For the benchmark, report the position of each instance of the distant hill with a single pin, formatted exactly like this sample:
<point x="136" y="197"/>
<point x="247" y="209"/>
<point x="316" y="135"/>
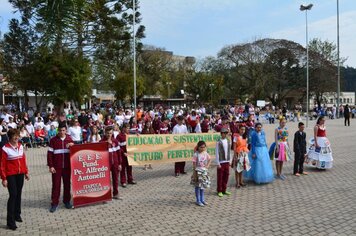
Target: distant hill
<point x="348" y="75"/>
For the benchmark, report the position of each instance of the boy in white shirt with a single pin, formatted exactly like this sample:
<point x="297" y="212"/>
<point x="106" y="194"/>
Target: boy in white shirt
<point x="223" y="157"/>
<point x="179" y="128"/>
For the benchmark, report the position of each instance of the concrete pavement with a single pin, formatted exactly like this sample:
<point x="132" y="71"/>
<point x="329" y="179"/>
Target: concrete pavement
<point x="322" y="203"/>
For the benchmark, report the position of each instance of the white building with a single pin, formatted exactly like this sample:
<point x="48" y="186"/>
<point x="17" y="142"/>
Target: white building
<point x="330" y="99"/>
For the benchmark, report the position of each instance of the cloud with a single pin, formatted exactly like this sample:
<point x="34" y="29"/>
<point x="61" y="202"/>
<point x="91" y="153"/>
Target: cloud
<point x="326" y="29"/>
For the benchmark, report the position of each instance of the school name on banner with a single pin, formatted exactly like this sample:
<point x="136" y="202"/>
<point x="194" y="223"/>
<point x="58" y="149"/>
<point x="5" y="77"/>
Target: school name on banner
<point x="90" y="173"/>
<point x="166" y="148"/>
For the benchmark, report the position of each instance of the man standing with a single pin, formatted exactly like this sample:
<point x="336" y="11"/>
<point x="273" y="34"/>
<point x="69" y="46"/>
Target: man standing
<point x="114" y="159"/>
<point x="347" y="115"/>
<point x="59" y="165"/>
<point x="179" y="128"/>
<point x="333" y="110"/>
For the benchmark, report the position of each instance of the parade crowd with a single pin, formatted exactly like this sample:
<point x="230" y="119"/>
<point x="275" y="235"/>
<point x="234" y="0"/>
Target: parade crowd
<point x="242" y="146"/>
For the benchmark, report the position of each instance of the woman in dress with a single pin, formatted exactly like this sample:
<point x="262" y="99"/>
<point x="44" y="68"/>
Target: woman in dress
<point x="320" y="154"/>
<point x="261" y="168"/>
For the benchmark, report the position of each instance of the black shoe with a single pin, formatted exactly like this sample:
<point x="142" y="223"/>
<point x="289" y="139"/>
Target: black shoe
<point x="68" y="205"/>
<point x="132" y="182"/>
<point x="53" y="208"/>
<point x="184" y="173"/>
<point x="12" y="227"/>
<point x="18" y="219"/>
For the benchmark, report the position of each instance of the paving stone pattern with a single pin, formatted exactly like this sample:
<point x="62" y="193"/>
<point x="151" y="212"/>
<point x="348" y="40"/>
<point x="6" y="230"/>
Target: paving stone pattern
<point x="322" y="203"/>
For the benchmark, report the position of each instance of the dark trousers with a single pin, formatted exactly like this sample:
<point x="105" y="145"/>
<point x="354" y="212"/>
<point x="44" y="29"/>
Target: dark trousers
<point x="347" y="120"/>
<point x="179" y="167"/>
<point x="115" y="179"/>
<point x="126" y="170"/>
<point x="56" y="185"/>
<point x="223" y="176"/>
<point x="14" y="186"/>
<point x="298" y="164"/>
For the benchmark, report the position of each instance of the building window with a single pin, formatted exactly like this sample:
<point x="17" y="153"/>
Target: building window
<point x="340" y="100"/>
<point x="331" y="100"/>
<point x="348" y="100"/>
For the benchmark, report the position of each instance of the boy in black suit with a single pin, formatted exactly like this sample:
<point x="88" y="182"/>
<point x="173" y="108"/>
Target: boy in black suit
<point x="300" y="150"/>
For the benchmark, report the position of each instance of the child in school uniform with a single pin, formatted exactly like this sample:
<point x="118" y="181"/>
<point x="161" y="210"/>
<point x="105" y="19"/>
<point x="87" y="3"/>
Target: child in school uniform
<point x="223" y="159"/>
<point x="300" y="150"/>
<point x="201" y="179"/>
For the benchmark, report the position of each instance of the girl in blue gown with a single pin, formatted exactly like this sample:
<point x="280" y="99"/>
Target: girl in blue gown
<point x="261" y="168"/>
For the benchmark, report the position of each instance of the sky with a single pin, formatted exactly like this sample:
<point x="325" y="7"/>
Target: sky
<point x="202" y="28"/>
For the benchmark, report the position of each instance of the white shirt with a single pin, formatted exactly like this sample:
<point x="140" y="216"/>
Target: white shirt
<point x="12" y="125"/>
<point x="93" y="139"/>
<point x="41" y="124"/>
<point x="180" y="129"/>
<point x="30" y="129"/>
<point x="55" y="123"/>
<point x="6" y="117"/>
<point x="94" y="116"/>
<point x="75" y="133"/>
<point x="225" y="145"/>
<point x="119" y="119"/>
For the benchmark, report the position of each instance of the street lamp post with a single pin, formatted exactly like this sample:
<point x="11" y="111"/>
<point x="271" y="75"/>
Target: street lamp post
<point x="169" y="92"/>
<point x="169" y="89"/>
<point x="211" y="93"/>
<point x="338" y="64"/>
<point x="134" y="52"/>
<point x="306" y="8"/>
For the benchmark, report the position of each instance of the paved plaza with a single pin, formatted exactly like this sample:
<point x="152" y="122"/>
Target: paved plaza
<point x="322" y="203"/>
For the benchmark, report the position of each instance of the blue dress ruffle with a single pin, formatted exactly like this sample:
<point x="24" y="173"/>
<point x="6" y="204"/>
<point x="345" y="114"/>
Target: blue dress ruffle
<point x="261" y="168"/>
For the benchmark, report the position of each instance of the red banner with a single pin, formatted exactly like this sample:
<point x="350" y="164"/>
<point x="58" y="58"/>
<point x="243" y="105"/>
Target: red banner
<point x="90" y="173"/>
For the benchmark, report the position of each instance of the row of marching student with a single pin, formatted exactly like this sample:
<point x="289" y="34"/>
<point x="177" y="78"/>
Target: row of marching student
<point x="251" y="160"/>
<point x="245" y="151"/>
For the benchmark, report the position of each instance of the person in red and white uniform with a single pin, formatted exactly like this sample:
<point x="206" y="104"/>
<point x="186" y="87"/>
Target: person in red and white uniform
<point x="58" y="162"/>
<point x="163" y="128"/>
<point x="126" y="169"/>
<point x="193" y="120"/>
<point x="114" y="159"/>
<point x="13" y="171"/>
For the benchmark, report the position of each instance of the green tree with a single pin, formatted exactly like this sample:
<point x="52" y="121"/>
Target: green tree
<point x="323" y="70"/>
<point x="284" y="75"/>
<point x="18" y="49"/>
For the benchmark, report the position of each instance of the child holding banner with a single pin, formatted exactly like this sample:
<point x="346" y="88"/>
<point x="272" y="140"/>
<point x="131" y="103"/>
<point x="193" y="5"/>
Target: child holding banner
<point x="58" y="161"/>
<point x="114" y="158"/>
<point x="126" y="170"/>
<point x="200" y="178"/>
